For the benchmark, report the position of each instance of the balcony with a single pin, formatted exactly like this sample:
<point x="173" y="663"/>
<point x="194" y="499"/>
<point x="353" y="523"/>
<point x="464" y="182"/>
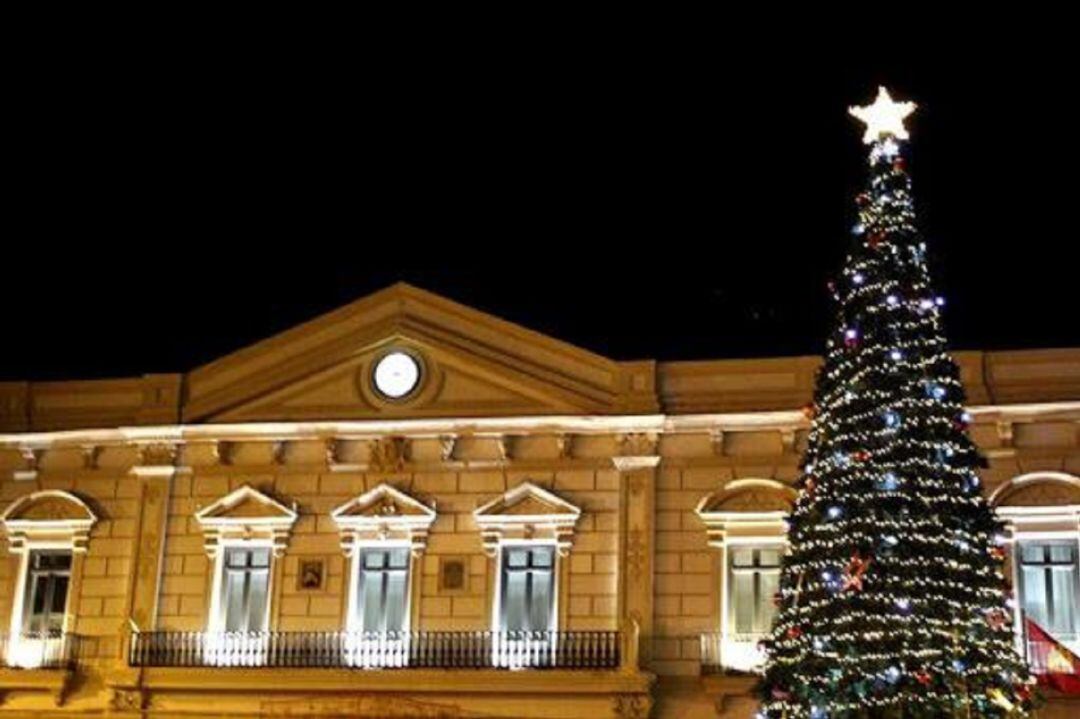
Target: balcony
<point x="731" y="653"/>
<point x="38" y="651"/>
<point x="595" y="650"/>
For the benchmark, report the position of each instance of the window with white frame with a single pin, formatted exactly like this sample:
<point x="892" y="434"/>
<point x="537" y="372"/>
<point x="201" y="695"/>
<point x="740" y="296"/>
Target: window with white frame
<point x="245" y="582"/>
<point x="754" y="575"/>
<point x="1050" y="585"/>
<point x="527" y="588"/>
<point x="382" y="589"/>
<point x="48" y="575"/>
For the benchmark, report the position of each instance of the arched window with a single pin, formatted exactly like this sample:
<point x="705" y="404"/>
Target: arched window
<point x="1042" y="510"/>
<point x="745" y="522"/>
<point x="49" y="530"/>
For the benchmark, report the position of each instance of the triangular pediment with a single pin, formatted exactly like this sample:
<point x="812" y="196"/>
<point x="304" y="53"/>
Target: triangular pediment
<point x="470" y="364"/>
<point x="383" y="503"/>
<point x="525" y="502"/>
<point x="245" y="505"/>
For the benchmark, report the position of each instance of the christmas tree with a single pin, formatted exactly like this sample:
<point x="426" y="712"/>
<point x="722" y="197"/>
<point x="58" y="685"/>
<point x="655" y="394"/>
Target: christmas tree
<point x="893" y="600"/>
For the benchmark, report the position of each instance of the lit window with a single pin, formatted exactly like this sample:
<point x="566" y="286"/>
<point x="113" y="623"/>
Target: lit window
<point x="528" y="588"/>
<point x="1049" y="582"/>
<point x="755" y="578"/>
<point x="383" y="589"/>
<point x="47" y="580"/>
<point x="244" y="589"/>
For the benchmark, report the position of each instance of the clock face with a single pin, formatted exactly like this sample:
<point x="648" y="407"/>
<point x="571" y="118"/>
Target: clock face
<point x="396" y="375"/>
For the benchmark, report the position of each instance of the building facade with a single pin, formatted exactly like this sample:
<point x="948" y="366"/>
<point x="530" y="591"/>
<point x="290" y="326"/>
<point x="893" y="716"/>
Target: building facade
<point x="409" y="508"/>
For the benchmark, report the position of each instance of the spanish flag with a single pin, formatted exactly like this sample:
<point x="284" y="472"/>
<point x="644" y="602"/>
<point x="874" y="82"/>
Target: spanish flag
<point x="1051" y="662"/>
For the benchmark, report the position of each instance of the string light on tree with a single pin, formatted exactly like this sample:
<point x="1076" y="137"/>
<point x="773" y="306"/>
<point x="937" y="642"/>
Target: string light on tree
<point x="892" y="598"/>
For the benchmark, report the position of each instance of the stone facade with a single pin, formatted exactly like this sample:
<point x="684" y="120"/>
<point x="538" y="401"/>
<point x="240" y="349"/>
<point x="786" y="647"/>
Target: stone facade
<point x="640" y="475"/>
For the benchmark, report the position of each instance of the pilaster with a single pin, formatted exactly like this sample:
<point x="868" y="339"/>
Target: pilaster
<point x="637" y="542"/>
<point x="155" y="477"/>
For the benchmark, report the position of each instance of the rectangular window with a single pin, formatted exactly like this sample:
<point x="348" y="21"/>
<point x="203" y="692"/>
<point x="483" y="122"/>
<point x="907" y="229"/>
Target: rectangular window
<point x="47" y="580"/>
<point x="244" y="592"/>
<point x="755" y="578"/>
<point x="528" y="588"/>
<point x="383" y="589"/>
<point x="1049" y="582"/>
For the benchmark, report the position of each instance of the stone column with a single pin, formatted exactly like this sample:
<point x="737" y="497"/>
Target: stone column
<point x="637" y="539"/>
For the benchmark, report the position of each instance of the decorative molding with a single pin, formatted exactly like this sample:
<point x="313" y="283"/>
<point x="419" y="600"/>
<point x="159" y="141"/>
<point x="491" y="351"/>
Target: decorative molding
<point x="224" y="452"/>
<point x="388" y="454"/>
<point x="1005" y="433"/>
<point x="246" y="513"/>
<point x="447" y="445"/>
<point x="90" y="453"/>
<point x="631" y="464"/>
<point x="1038" y="489"/>
<point x="278" y="452"/>
<point x="577" y="424"/>
<point x="158" y="454"/>
<point x="381" y="514"/>
<point x="50" y="517"/>
<point x="527" y="512"/>
<point x="754" y="507"/>
<point x="331" y="448"/>
<point x="565" y="445"/>
<point x="637" y="444"/>
<point x="716" y="437"/>
<point x="788" y="438"/>
<point x="632" y="706"/>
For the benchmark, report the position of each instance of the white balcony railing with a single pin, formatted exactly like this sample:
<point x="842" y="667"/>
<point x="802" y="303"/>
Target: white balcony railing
<point x="732" y="652"/>
<point x="389" y="650"/>
<point x="38" y="651"/>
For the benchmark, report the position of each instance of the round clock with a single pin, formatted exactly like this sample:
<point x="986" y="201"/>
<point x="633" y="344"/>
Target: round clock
<point x="396" y="374"/>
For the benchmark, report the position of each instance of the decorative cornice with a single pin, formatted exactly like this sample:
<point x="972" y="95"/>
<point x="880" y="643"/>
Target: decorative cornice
<point x="436" y="427"/>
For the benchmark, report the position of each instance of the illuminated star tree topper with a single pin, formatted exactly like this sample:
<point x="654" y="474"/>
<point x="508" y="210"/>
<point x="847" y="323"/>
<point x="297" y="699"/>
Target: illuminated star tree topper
<point x="884" y="117"/>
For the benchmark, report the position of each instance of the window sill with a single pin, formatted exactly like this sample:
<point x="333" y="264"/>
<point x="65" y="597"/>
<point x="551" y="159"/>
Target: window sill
<point x="51" y="681"/>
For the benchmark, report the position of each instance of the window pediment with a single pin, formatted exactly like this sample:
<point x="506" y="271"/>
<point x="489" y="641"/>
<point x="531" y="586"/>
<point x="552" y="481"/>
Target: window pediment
<point x="246" y="513"/>
<point x="753" y="507"/>
<point x="383" y="513"/>
<point x="527" y="512"/>
<point x="50" y="516"/>
<point x="1041" y="489"/>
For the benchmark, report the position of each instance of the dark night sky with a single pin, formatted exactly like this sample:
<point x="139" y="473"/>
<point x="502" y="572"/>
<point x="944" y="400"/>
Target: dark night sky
<point x="166" y="212"/>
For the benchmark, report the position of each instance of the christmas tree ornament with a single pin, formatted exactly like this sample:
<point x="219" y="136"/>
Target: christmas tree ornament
<point x="853" y="576"/>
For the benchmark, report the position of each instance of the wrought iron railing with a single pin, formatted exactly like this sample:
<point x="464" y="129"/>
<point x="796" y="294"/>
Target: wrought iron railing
<point x="52" y="650"/>
<point x="724" y="653"/>
<point x="390" y="650"/>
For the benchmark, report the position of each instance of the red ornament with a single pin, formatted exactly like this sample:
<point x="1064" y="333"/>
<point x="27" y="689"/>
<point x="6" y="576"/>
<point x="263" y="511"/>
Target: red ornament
<point x="923" y="678"/>
<point x="862" y="199"/>
<point x="997" y="553"/>
<point x="1023" y="692"/>
<point x="794" y="633"/>
<point x="997" y="619"/>
<point x="853" y="575"/>
<point x="861" y="456"/>
<point x="899" y="164"/>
